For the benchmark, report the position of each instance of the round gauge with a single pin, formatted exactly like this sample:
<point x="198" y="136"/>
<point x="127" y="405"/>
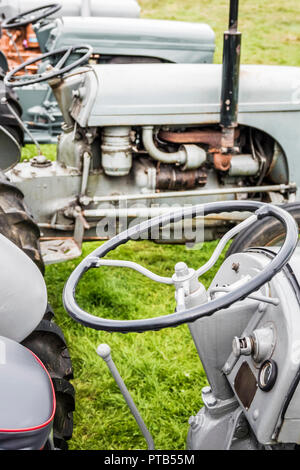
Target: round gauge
<point x="267" y="375"/>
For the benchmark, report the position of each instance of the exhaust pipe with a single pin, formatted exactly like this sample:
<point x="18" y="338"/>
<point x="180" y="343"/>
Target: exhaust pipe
<point x="230" y="79"/>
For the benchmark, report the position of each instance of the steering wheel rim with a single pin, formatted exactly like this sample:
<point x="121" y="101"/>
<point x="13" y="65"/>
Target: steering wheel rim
<point x="56" y="71"/>
<point x="13" y="23"/>
<point x="203" y="310"/>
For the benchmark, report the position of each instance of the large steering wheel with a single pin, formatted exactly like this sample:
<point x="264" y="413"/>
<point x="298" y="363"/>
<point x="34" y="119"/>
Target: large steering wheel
<point x="30" y="16"/>
<point x="60" y="56"/>
<point x="207" y="309"/>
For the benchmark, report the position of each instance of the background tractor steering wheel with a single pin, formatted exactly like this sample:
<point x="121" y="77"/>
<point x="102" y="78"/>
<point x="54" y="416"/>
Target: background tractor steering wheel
<point x="60" y="57"/>
<point x="30" y="16"/>
<point x="207" y="309"/>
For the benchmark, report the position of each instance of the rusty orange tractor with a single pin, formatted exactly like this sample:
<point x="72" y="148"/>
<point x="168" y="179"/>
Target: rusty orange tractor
<point x="18" y="41"/>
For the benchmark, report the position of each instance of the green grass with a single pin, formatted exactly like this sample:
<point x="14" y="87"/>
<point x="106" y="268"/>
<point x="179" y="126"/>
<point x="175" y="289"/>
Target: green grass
<point x="30" y="151"/>
<point x="161" y="369"/>
<point x="271" y="29"/>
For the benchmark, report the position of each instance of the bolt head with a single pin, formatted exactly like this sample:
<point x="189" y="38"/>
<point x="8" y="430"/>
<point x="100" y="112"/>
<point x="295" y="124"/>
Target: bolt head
<point x="211" y="401"/>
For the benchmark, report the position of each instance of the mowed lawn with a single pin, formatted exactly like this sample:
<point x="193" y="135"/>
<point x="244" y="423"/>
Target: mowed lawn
<point x="161" y="369"/>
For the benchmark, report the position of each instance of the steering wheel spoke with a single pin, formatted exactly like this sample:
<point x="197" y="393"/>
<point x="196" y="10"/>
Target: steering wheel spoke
<point x="136" y="267"/>
<point x="63" y="60"/>
<point x="223" y="242"/>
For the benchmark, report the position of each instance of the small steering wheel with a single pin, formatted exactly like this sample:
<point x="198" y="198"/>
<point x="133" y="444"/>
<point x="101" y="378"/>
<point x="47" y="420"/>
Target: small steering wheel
<point x="30" y="16"/>
<point x="183" y="316"/>
<point x="57" y="70"/>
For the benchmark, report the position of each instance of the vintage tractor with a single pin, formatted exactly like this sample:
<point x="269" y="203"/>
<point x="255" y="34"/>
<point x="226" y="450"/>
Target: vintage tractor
<point x="114" y="41"/>
<point x="25" y="316"/>
<point x="245" y="326"/>
<point x="135" y="139"/>
<point x="139" y="138"/>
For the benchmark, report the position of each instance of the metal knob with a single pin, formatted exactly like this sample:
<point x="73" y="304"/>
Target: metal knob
<point x="242" y="346"/>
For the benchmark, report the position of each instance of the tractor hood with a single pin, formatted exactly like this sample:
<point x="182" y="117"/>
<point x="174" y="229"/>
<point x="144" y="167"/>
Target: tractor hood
<point x="126" y="8"/>
<point x="169" y="41"/>
<point x="172" y="94"/>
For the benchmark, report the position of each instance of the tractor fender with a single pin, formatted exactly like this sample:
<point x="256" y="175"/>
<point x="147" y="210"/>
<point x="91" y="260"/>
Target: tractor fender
<point x="22" y="291"/>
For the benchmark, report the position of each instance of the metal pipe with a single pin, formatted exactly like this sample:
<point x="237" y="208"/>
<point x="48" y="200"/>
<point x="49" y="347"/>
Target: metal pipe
<point x="85" y="172"/>
<point x="130" y="213"/>
<point x="104" y="352"/>
<point x="191" y="156"/>
<point x="243" y="165"/>
<point x="85" y="8"/>
<point x="63" y="227"/>
<point x="138" y="212"/>
<point x="200" y="192"/>
<point x="260" y="298"/>
<point x="233" y="15"/>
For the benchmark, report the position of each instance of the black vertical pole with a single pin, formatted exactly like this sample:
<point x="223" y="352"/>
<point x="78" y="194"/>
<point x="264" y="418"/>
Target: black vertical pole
<point x="233" y="15"/>
<point x="230" y="78"/>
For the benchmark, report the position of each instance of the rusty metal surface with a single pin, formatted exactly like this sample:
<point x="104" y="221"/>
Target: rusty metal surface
<point x="222" y="161"/>
<point x="195" y="136"/>
<point x="20" y="45"/>
<point x="171" y="178"/>
<point x="245" y="385"/>
<point x="228" y="138"/>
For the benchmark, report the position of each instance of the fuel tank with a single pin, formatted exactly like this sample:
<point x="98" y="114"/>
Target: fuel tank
<point x="23" y="292"/>
<point x="181" y="94"/>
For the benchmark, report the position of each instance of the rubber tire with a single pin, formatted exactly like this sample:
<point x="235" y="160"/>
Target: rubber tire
<point x="48" y="343"/>
<point x="47" y="340"/>
<point x="264" y="232"/>
<point x="17" y="224"/>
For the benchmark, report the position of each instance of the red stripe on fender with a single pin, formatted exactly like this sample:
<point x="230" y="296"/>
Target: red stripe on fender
<point x="35" y="428"/>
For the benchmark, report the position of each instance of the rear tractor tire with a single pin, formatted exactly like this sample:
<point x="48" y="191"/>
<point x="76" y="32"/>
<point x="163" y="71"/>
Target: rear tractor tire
<point x="47" y="340"/>
<point x="263" y="233"/>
